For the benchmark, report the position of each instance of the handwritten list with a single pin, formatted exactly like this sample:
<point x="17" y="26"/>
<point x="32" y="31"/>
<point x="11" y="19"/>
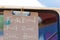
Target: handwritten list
<point x="21" y="27"/>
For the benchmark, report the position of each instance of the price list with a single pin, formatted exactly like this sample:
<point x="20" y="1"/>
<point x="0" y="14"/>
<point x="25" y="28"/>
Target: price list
<point x="20" y="27"/>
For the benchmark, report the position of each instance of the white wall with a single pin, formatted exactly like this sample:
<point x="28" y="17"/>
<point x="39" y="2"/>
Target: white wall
<point x="33" y="3"/>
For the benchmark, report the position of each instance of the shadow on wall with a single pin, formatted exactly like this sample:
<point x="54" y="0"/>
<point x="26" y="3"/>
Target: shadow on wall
<point x="51" y="3"/>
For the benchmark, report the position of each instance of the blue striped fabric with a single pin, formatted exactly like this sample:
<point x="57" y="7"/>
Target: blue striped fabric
<point x="51" y="29"/>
